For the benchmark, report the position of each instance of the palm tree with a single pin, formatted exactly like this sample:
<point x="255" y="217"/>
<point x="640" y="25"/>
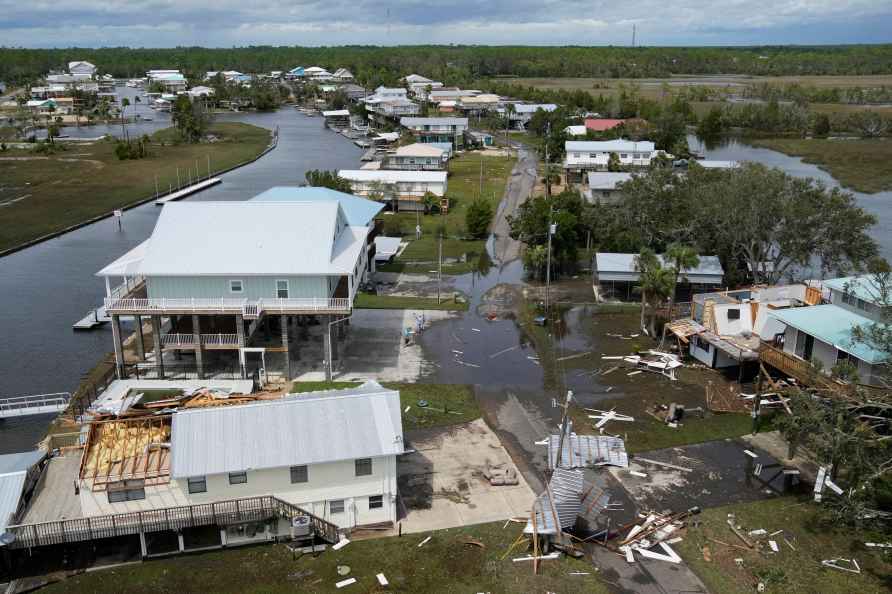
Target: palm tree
<point x="655" y="284"/>
<point x="679" y="257"/>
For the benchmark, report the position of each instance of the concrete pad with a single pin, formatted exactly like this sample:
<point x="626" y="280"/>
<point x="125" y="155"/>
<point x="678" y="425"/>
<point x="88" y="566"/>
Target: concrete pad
<point x="54" y="497"/>
<point x="442" y="483"/>
<point x="372" y="349"/>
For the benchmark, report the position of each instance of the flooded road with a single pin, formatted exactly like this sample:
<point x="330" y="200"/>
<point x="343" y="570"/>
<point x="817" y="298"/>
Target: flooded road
<point x="45" y="288"/>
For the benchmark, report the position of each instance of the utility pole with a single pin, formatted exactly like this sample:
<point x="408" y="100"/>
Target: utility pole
<point x="178" y="178"/>
<point x="557" y="463"/>
<point x="209" y="166"/>
<point x="156" y="186"/>
<point x="480" y="189"/>
<point x="551" y="229"/>
<point x="439" y="265"/>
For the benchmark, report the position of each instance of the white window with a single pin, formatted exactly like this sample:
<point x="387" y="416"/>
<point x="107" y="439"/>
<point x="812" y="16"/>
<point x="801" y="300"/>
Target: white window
<point x="363" y="466"/>
<point x="235" y="286"/>
<point x="282" y="289"/>
<point x="198" y="484"/>
<point x="336" y="506"/>
<point x="624" y="156"/>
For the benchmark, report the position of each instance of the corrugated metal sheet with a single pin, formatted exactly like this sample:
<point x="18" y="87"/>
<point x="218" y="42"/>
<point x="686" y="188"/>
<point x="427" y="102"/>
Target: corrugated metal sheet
<point x="11" y="485"/>
<point x="580" y="451"/>
<point x="557" y="508"/>
<point x="20" y="461"/>
<point x="364" y="422"/>
<point x="244" y="238"/>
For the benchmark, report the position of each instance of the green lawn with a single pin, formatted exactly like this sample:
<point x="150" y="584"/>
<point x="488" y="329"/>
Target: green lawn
<point x="788" y="571"/>
<point x="444" y="564"/>
<point x="463" y="188"/>
<point x="368" y="301"/>
<point x="862" y="165"/>
<point x="83" y="182"/>
<point x="447" y="404"/>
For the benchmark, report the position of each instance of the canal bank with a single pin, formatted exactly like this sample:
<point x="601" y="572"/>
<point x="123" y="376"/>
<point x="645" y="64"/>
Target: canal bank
<point x="48" y="286"/>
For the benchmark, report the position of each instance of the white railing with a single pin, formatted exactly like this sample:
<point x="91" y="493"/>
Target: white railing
<point x="219" y="339"/>
<point x="223" y="305"/>
<point x="128" y="285"/>
<point x="188" y="340"/>
<point x="15" y="406"/>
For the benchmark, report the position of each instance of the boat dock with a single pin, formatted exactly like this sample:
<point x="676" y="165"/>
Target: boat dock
<point x="94" y="318"/>
<point x="174" y="196"/>
<point x="39" y="404"/>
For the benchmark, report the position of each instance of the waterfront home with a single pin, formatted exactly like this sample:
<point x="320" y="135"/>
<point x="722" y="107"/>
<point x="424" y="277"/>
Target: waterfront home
<point x="727" y="328"/>
<point x="615" y="276"/>
<point x="171" y="81"/>
<point x="522" y="113"/>
<point x="419" y="86"/>
<point x="342" y="75"/>
<point x="583" y="156"/>
<point x="331" y="453"/>
<point x="263" y="265"/>
<point x="406" y="188"/>
<point x="41" y="106"/>
<point x="418" y="157"/>
<point x="823" y="334"/>
<point x="428" y="130"/>
<point x="82" y="70"/>
<point x="317" y="73"/>
<point x="201" y="91"/>
<point x="603" y="186"/>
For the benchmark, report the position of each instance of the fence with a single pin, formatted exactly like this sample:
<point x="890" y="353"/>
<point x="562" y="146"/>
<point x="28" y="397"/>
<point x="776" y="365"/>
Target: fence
<point x="92" y="385"/>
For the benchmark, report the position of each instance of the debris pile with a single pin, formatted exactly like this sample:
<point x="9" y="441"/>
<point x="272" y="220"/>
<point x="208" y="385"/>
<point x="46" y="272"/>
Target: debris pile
<point x="653" y="361"/>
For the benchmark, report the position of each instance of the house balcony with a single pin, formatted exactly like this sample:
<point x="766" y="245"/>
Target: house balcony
<point x="249" y="309"/>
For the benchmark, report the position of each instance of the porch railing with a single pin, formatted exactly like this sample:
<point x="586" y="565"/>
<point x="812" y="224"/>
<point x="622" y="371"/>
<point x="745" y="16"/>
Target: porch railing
<point x="188" y="340"/>
<point x="126" y="287"/>
<point x="224" y="305"/>
<point x="219" y="513"/>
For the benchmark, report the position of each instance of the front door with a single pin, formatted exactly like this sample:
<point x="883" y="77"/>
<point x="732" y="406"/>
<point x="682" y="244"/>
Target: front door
<point x="805" y="344"/>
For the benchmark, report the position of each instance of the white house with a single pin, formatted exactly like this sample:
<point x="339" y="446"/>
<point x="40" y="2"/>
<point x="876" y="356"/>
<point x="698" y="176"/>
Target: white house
<point x="317" y="73"/>
<point x="420" y="86"/>
<point x="523" y="113"/>
<point x="408" y="187"/>
<point x="615" y="275"/>
<point x="171" y="80"/>
<point x="342" y="75"/>
<point x="583" y="156"/>
<point x="429" y="130"/>
<point x="200" y="91"/>
<point x="603" y="186"/>
<point x="418" y="156"/>
<point x="82" y="69"/>
<point x="331" y="453"/>
<point x="823" y="333"/>
<point x="257" y="264"/>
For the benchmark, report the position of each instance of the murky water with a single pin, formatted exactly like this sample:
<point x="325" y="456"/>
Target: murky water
<point x="879" y="204"/>
<point x="44" y="289"/>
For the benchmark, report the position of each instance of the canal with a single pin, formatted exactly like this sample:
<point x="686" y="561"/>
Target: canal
<point x="45" y="288"/>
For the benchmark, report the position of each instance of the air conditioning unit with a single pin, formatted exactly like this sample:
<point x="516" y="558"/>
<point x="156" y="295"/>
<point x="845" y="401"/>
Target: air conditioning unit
<point x="300" y="526"/>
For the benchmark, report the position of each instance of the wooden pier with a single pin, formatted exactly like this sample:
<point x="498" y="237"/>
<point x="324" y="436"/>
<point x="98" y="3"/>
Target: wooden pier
<point x="95" y="317"/>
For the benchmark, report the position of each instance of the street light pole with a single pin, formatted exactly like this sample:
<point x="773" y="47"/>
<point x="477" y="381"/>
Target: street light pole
<point x="439" y="265"/>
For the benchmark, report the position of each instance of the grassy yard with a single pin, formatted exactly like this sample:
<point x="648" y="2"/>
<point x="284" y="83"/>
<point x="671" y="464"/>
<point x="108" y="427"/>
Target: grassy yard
<point x="446" y="563"/>
<point x="463" y="189"/>
<point x="367" y="301"/>
<point x="44" y="194"/>
<point x="862" y="165"/>
<point x="789" y="571"/>
<point x="447" y="404"/>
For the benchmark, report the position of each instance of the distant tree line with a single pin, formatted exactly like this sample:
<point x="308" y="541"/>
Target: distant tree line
<point x="463" y="64"/>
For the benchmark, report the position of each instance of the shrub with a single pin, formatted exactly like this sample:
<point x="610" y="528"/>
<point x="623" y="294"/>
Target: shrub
<point x="478" y="217"/>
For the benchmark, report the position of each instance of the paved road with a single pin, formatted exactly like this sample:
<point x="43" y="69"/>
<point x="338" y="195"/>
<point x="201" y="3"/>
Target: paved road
<point x="519" y="188"/>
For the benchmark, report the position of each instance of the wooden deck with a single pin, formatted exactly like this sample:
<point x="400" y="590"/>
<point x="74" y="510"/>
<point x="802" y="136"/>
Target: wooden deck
<point x="218" y="513"/>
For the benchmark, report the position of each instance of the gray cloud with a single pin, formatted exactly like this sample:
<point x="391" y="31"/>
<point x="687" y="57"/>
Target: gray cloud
<point x="161" y="23"/>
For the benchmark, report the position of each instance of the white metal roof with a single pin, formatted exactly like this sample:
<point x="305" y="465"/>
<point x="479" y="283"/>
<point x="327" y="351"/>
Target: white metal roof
<point x="299" y="429"/>
<point x="621" y="267"/>
<point x="246" y="238"/>
<point x="128" y="264"/>
<point x="336" y="113"/>
<point x="11" y="485"/>
<point x="576" y="130"/>
<point x="607" y="180"/>
<point x="596" y="146"/>
<point x="419" y="149"/>
<point x="533" y="107"/>
<point x="393" y="176"/>
<point x="386" y="247"/>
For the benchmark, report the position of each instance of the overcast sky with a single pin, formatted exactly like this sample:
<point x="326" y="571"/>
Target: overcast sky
<point x="224" y="23"/>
